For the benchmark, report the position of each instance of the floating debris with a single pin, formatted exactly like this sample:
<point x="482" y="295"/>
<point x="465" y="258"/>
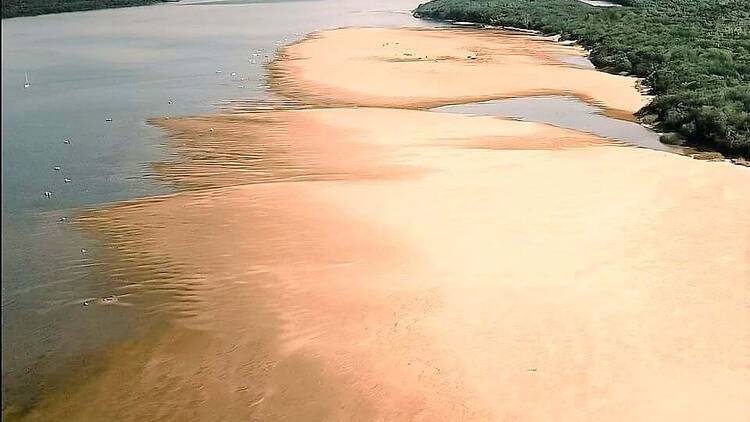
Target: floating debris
<point x="170" y="101"/>
<point x="66" y="142"/>
<point x="85" y="303"/>
<point x="708" y="156"/>
<point x="62" y="219"/>
<point x="218" y="71"/>
<point x="531" y="370"/>
<point x="48" y="194"/>
<point x="109" y="119"/>
<point x="233" y="74"/>
<point x="109" y="300"/>
<point x="83" y="251"/>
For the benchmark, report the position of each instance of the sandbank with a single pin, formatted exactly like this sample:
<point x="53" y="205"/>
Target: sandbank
<point x="367" y="263"/>
<point x="421" y="68"/>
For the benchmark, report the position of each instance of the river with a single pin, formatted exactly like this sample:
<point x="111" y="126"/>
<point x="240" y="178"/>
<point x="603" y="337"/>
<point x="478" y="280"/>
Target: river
<point x="123" y="65"/>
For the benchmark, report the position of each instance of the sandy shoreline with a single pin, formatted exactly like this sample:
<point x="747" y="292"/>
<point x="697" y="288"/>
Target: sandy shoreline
<point x="423" y="68"/>
<point x="376" y="263"/>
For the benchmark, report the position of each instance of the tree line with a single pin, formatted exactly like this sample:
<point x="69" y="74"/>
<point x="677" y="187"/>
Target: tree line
<point x="16" y="8"/>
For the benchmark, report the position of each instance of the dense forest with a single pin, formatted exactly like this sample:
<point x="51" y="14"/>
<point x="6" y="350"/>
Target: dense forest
<point x="693" y="54"/>
<point x="15" y="8"/>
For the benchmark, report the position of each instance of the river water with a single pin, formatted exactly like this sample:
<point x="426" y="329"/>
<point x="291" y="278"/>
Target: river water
<point x="95" y="77"/>
<point x="566" y="112"/>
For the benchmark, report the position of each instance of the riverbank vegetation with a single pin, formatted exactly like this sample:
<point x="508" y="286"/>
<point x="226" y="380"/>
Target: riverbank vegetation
<point x="693" y="54"/>
<point x="16" y="8"/>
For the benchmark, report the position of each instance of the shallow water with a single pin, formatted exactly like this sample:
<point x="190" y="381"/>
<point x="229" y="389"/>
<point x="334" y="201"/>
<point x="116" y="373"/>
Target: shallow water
<point x="126" y="65"/>
<point x="600" y="3"/>
<point x="577" y="61"/>
<point x="567" y="112"/>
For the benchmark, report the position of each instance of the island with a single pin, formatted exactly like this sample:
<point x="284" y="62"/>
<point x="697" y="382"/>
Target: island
<point x="17" y="8"/>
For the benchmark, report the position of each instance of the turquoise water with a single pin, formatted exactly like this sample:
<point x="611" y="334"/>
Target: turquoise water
<point x="126" y="65"/>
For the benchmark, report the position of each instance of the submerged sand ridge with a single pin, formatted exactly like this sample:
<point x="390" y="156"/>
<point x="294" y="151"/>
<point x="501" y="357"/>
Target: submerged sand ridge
<point x="337" y="144"/>
<point x="373" y="263"/>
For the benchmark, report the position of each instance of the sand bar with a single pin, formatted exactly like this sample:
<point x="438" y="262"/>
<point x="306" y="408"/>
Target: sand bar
<point x="428" y="67"/>
<point x="390" y="264"/>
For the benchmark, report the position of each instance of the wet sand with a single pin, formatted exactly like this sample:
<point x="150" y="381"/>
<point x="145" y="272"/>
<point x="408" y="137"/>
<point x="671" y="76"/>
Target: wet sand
<point x="367" y="263"/>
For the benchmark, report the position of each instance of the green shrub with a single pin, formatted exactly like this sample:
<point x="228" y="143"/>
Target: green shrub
<point x="671" y="138"/>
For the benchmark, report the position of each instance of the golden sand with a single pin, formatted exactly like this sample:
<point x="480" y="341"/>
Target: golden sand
<point x="426" y="68"/>
<point x="387" y="264"/>
<point x="333" y="144"/>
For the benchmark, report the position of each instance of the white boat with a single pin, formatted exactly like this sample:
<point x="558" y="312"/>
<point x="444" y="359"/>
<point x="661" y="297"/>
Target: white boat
<point x="27" y="84"/>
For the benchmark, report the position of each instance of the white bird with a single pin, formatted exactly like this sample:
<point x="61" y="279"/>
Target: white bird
<point x="233" y="74"/>
<point x="67" y="142"/>
<point x="57" y="168"/>
<point x="62" y="219"/>
<point x="109" y="119"/>
<point x="66" y="180"/>
<point x="48" y="194"/>
<point x="83" y="251"/>
<point x="218" y="71"/>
